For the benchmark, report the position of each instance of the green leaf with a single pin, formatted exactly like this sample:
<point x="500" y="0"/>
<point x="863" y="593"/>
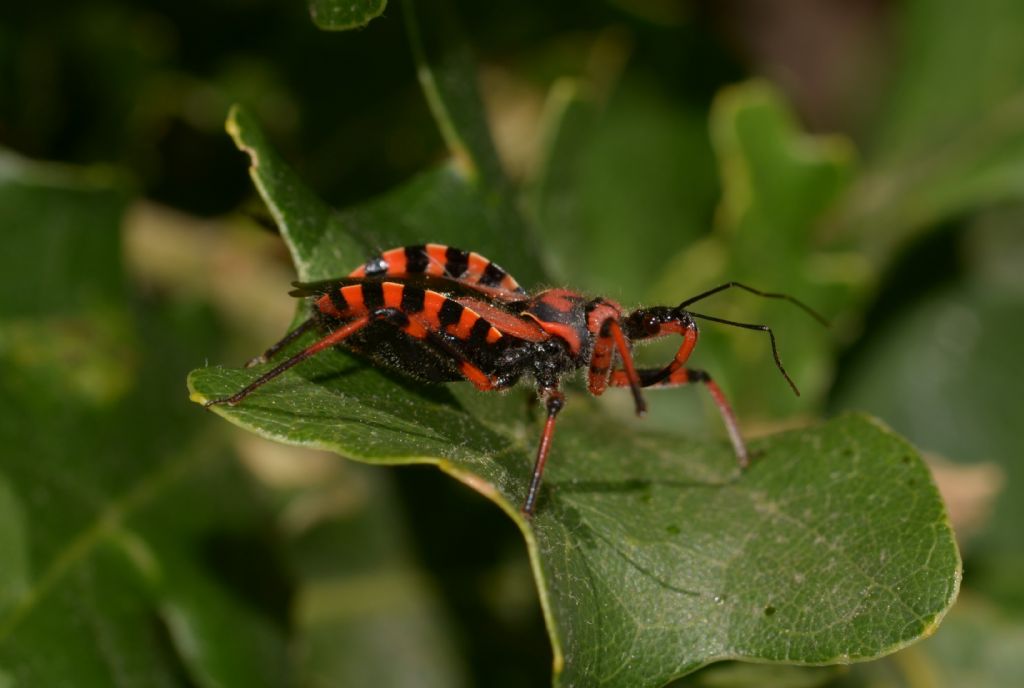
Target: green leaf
<point x="777" y="184"/>
<point x="342" y="15"/>
<point x="950" y="137"/>
<point x="15" y="572"/>
<point x="466" y="202"/>
<point x="979" y="646"/>
<point x="309" y="220"/>
<point x="115" y="504"/>
<point x="361" y="598"/>
<point x="65" y="255"/>
<point x="448" y="76"/>
<point x="609" y="232"/>
<point x="59" y="306"/>
<point x="652" y="554"/>
<point x="437" y="206"/>
<point x="945" y="371"/>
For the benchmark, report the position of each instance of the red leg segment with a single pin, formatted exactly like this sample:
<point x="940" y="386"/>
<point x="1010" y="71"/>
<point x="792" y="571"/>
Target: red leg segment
<point x="554" y="403"/>
<point x="336" y="337"/>
<point x="285" y="341"/>
<point x="603" y="323"/>
<point x="689" y="333"/>
<point x="410" y="326"/>
<point x="683" y="376"/>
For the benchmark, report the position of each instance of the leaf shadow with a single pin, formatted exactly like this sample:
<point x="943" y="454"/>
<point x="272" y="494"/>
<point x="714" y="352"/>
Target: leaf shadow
<point x="638" y="485"/>
<point x="426" y="392"/>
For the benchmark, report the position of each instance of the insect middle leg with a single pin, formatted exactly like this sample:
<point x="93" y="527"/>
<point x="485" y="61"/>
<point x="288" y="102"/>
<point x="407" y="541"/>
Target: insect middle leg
<point x="554" y="401"/>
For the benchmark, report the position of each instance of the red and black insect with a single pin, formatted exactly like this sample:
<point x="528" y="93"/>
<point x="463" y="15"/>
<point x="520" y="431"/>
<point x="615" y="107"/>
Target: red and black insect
<point x="442" y="314"/>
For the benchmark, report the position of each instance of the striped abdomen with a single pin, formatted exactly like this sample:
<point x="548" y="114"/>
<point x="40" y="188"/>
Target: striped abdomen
<point x="425" y="310"/>
<point x="440" y="261"/>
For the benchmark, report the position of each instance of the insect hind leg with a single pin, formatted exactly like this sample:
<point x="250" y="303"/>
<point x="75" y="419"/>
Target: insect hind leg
<point x="339" y="335"/>
<point x="336" y="337"/>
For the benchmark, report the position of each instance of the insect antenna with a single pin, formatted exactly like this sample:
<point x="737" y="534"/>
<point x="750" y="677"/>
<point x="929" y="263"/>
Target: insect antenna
<point x="757" y="292"/>
<point x="752" y="326"/>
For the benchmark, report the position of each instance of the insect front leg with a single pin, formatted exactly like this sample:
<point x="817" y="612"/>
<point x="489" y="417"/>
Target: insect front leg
<point x="655" y="377"/>
<point x="604" y="326"/>
<point x="651" y="323"/>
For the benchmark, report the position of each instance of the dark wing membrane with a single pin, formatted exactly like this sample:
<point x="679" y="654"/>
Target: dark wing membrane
<point x="444" y="285"/>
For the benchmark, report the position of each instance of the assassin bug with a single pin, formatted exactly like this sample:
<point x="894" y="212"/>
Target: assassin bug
<point x="442" y="314"/>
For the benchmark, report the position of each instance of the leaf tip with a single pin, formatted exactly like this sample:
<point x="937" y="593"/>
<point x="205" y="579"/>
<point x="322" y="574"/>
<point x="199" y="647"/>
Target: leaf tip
<point x="236" y="128"/>
<point x="194" y="395"/>
<point x="462" y="164"/>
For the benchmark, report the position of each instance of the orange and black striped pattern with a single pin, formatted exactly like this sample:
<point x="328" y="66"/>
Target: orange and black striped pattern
<point x="425" y="310"/>
<point x="438" y="260"/>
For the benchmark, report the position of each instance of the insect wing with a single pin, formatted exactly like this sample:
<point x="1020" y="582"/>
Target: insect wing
<point x="443" y="285"/>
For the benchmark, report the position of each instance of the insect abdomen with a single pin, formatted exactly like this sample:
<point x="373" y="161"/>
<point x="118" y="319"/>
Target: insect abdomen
<point x="439" y="260"/>
<point x="425" y="310"/>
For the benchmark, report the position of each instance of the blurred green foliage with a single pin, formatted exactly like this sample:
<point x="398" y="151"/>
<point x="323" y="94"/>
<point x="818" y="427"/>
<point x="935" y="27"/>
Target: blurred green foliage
<point x="875" y="169"/>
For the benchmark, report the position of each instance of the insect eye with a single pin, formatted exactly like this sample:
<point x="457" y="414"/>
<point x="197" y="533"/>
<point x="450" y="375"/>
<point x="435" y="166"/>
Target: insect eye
<point x="652" y="324"/>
